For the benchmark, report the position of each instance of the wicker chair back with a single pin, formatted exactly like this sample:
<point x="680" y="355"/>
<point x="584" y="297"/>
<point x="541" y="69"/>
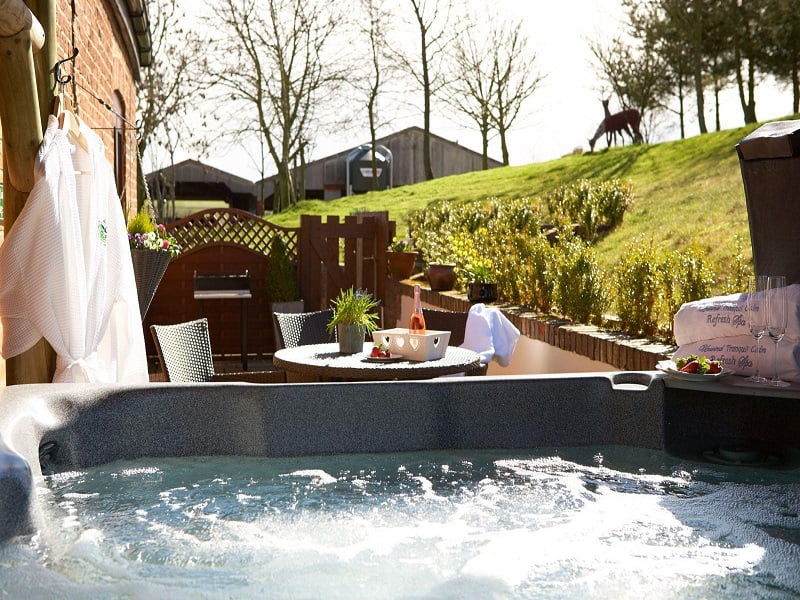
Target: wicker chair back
<point x="184" y="351"/>
<point x="300" y="329"/>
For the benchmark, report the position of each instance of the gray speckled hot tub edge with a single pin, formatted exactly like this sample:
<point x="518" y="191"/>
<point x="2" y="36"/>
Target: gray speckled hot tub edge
<point x="92" y="425"/>
<point x="77" y="426"/>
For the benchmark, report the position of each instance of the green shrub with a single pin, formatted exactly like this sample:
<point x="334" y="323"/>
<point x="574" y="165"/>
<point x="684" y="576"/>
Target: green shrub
<point x="651" y="285"/>
<point x="685" y="277"/>
<point x="280" y="280"/>
<point x="590" y="205"/>
<point x="636" y="283"/>
<point x="735" y="278"/>
<point x="141" y="222"/>
<point x="531" y="267"/>
<point x="580" y="293"/>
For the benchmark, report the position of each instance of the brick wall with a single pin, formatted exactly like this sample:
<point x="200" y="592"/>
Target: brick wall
<point x="103" y="68"/>
<point x="621" y="351"/>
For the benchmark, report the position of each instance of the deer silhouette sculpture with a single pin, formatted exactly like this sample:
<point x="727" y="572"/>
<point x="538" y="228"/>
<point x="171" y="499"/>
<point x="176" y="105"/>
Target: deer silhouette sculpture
<point x="626" y="121"/>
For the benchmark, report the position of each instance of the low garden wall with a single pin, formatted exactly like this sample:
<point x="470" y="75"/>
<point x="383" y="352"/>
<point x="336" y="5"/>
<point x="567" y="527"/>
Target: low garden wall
<point x="601" y="349"/>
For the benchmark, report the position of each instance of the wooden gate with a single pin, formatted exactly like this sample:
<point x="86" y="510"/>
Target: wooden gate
<point x="335" y="256"/>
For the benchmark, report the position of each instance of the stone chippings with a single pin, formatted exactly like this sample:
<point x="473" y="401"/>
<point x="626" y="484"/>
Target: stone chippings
<point x="93" y="425"/>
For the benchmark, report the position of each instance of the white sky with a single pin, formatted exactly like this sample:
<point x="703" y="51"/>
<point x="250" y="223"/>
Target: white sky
<point x="561" y="114"/>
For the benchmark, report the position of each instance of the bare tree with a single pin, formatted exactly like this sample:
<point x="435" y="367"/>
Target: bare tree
<point x="272" y="66"/>
<point x="169" y="90"/>
<point x="635" y="73"/>
<point x="373" y="23"/>
<point x="435" y="31"/>
<point x="648" y="25"/>
<point x="472" y="89"/>
<point x="515" y="78"/>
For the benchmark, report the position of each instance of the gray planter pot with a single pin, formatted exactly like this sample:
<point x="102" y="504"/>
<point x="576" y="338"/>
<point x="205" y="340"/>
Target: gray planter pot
<point x="351" y="338"/>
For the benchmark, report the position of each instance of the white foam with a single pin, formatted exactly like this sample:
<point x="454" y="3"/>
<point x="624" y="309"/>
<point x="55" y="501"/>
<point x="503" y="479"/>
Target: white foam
<point x="316" y="476"/>
<point x="549" y="525"/>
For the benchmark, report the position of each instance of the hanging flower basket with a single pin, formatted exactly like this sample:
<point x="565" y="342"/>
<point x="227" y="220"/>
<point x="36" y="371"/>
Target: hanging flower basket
<point x="148" y="269"/>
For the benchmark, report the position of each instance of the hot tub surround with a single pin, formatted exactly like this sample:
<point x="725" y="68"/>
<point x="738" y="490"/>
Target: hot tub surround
<point x="55" y="428"/>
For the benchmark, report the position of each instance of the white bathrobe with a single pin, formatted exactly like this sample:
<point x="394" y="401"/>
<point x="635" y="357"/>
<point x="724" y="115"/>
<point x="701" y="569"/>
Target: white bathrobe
<point x="65" y="268"/>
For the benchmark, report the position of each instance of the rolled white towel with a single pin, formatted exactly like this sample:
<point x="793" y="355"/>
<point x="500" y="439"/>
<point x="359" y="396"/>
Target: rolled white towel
<point x="725" y="316"/>
<point x="738" y="353"/>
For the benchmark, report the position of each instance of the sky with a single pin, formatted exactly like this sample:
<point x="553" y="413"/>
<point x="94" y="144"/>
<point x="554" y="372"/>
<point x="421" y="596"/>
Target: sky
<point x="561" y="114"/>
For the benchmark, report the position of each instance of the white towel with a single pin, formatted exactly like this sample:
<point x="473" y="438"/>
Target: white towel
<point x="738" y="353"/>
<point x="489" y="333"/>
<point x="725" y="316"/>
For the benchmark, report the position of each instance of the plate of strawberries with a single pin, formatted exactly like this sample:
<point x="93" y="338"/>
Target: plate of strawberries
<point x="694" y="368"/>
<point x="380" y="353"/>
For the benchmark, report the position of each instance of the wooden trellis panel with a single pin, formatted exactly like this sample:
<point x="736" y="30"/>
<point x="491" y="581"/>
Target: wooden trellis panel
<point x="233" y="226"/>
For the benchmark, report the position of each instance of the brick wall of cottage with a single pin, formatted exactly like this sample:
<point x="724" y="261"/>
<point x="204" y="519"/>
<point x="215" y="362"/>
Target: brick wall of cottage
<point x="103" y="68"/>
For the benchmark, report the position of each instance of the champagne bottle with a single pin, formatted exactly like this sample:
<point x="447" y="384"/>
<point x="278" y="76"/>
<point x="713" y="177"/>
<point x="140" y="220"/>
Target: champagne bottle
<point x="417" y="322"/>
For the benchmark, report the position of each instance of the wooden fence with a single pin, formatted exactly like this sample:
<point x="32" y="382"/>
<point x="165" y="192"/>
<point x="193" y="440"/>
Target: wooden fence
<point x="330" y="256"/>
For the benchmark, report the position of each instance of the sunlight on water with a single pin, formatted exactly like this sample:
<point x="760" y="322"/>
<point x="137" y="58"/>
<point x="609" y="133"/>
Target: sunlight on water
<point x="581" y="523"/>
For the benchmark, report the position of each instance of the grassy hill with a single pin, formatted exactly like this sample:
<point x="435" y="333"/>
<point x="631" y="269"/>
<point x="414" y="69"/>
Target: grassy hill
<point x="686" y="192"/>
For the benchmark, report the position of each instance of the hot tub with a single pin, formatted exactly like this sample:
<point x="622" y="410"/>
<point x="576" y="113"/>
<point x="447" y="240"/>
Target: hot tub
<point x="63" y="429"/>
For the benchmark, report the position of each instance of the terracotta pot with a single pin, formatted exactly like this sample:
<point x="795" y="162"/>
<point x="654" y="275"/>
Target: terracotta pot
<point x="401" y="264"/>
<point x="481" y="292"/>
<point x="441" y="277"/>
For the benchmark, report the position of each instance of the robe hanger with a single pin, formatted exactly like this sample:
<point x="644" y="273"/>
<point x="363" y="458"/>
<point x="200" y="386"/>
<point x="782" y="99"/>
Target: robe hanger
<point x="67" y="119"/>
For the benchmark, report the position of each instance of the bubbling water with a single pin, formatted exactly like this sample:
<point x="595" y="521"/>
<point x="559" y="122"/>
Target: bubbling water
<point x="545" y="524"/>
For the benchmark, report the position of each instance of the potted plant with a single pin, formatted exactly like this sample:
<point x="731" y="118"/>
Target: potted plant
<point x="353" y="318"/>
<point x="481" y="282"/>
<point x="400" y="259"/>
<point x="151" y="250"/>
<point x="280" y="279"/>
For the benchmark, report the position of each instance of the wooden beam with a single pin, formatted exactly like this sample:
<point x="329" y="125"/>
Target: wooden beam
<point x="20" y="35"/>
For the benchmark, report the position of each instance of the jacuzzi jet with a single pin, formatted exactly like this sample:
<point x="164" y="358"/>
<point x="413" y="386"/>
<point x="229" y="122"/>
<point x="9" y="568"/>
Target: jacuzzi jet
<point x="745" y="454"/>
<point x="47" y="455"/>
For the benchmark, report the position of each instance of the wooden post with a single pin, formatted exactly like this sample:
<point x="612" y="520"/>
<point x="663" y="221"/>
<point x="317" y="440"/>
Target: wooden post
<point x="20" y="35"/>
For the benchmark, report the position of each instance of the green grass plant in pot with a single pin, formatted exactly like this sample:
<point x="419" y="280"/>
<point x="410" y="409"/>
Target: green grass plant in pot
<point x="354" y="316"/>
<point x="482" y="283"/>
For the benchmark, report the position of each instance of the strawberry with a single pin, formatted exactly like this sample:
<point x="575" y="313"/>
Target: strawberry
<point x="376" y="352"/>
<point x="690" y="367"/>
<point x="713" y="367"/>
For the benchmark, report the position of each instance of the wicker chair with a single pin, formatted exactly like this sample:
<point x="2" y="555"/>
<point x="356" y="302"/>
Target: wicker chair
<point x="456" y="324"/>
<point x="300" y="329"/>
<point x="184" y="351"/>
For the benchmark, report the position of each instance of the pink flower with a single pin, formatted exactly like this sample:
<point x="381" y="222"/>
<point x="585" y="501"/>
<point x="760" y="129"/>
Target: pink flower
<point x="165" y="244"/>
<point x="161" y="227"/>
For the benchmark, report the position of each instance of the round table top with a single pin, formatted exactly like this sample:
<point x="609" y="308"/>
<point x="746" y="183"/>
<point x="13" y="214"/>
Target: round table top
<point x="325" y="361"/>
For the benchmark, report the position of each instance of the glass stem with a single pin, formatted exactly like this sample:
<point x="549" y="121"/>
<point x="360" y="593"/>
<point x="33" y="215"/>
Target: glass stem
<point x="758" y="355"/>
<point x="775" y="362"/>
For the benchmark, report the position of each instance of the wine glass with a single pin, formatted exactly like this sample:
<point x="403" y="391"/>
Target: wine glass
<point x="776" y="320"/>
<point x="757" y="318"/>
